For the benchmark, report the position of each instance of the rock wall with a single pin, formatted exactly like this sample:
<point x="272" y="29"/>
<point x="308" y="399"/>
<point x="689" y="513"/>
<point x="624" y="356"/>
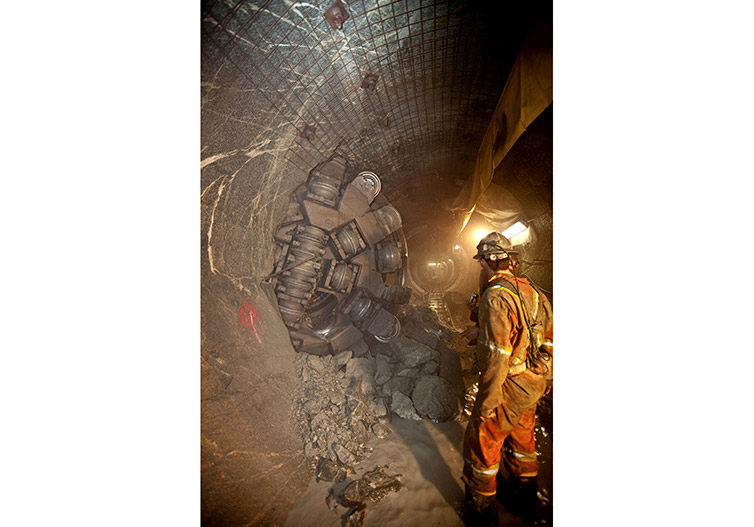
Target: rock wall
<point x="252" y="463"/>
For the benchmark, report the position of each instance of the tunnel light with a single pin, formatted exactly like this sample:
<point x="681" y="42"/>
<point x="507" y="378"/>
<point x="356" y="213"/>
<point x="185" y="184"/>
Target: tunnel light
<point x="516" y="228"/>
<point x="456" y="247"/>
<point x="480" y="233"/>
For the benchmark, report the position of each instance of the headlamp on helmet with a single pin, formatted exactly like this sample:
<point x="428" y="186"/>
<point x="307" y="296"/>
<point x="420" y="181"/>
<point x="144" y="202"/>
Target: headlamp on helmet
<point x="494" y="246"/>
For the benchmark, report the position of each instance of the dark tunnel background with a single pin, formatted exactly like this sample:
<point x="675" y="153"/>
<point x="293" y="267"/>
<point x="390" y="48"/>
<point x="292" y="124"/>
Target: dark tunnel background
<point x="281" y="90"/>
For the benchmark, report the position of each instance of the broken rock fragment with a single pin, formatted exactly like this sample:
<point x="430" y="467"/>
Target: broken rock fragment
<point x="344" y="456"/>
<point x="380" y="430"/>
<point x="436" y="398"/>
<point x="361" y="371"/>
<point x="410" y="352"/>
<point x="329" y="471"/>
<point x="316" y="363"/>
<point x="399" y="383"/>
<point x="428" y="338"/>
<point x="341" y="359"/>
<point x="403" y="407"/>
<point x="384" y="373"/>
<point x="373" y="486"/>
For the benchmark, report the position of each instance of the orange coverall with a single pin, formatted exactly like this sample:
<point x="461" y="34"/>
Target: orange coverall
<point x="504" y="411"/>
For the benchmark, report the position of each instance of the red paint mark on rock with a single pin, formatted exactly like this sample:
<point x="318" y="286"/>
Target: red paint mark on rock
<point x="247" y="315"/>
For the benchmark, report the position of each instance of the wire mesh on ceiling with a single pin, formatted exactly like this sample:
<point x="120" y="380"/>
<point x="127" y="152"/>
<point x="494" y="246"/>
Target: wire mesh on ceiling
<point x="408" y="84"/>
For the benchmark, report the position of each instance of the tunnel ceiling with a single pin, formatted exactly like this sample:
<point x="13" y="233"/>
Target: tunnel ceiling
<point x="440" y="68"/>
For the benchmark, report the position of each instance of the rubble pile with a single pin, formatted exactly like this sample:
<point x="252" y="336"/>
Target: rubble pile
<point x="345" y="400"/>
<point x="337" y="412"/>
<point x="409" y="376"/>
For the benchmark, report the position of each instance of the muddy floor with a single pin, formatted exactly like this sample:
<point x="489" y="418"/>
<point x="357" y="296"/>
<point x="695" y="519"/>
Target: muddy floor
<point x="427" y="456"/>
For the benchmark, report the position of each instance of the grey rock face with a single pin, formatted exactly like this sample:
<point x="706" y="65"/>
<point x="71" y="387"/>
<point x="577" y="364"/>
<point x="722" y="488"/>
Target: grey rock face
<point x="450" y="366"/>
<point x="359" y="367"/>
<point x="312" y="407"/>
<point x="426" y="338"/>
<point x="430" y="368"/>
<point x="360" y="371"/>
<point x="377" y="407"/>
<point x="409" y="372"/>
<point x="384" y="373"/>
<point x="409" y="352"/>
<point x="403" y="407"/>
<point x="436" y="398"/>
<point x="399" y="383"/>
<point x="340" y="360"/>
<point x="337" y="398"/>
<point x="316" y="363"/>
<point x="384" y="349"/>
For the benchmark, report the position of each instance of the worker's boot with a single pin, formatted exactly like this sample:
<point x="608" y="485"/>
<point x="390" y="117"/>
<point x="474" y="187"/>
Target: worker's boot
<point x="519" y="496"/>
<point x="480" y="510"/>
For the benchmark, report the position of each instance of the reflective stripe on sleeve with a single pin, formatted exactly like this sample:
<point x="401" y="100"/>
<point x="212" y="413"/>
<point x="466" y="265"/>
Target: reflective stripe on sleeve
<point x="494" y="348"/>
<point x="501" y="287"/>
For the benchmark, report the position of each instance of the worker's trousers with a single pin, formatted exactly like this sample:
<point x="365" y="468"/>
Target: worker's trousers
<point x="509" y="428"/>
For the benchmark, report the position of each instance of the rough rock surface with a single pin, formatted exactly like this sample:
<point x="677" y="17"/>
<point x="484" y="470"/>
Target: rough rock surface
<point x="249" y="443"/>
<point x="399" y="383"/>
<point x="426" y="337"/>
<point x="360" y="371"/>
<point x="336" y="412"/>
<point x="384" y="372"/>
<point x="403" y="407"/>
<point x="435" y="398"/>
<point x="410" y="352"/>
<point x="345" y="400"/>
<point x="373" y="486"/>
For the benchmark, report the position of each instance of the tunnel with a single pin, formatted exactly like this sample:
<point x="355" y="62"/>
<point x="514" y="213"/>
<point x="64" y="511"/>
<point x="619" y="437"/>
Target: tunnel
<point x="448" y="104"/>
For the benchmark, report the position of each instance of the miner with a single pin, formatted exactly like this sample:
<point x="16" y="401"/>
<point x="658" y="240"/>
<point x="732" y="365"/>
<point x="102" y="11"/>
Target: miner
<point x="514" y="354"/>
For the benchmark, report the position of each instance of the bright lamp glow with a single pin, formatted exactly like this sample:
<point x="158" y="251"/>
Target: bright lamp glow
<point x="456" y="247"/>
<point x="516" y="228"/>
<point x="480" y="233"/>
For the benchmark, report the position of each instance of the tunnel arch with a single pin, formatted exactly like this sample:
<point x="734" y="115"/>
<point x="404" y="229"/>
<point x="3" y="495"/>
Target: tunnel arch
<point x="281" y="91"/>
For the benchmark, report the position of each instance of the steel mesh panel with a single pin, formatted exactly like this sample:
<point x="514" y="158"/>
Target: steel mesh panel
<point x="436" y="90"/>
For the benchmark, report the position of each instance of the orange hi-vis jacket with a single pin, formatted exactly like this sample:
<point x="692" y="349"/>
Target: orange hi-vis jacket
<point x="503" y="333"/>
<point x="501" y="426"/>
